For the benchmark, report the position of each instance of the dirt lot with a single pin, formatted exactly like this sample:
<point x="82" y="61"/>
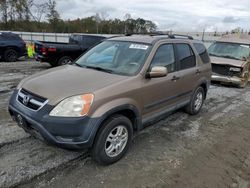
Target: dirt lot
<point x="211" y="149"/>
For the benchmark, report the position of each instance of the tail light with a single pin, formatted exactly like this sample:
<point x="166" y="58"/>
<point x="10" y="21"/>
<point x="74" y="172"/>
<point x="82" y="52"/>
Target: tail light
<point x="52" y="49"/>
<point x="44" y="50"/>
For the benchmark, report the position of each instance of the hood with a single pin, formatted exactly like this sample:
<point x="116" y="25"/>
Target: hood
<point x="227" y="61"/>
<point x="65" y="81"/>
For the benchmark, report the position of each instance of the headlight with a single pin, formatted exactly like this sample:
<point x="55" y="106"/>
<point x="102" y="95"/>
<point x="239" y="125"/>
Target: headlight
<point x="75" y="106"/>
<point x="235" y="69"/>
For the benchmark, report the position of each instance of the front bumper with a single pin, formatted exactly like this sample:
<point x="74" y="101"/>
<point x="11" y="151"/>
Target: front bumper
<point x="71" y="133"/>
<point x="227" y="79"/>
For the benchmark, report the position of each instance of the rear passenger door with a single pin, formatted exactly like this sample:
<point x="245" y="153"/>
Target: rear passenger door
<point x="205" y="62"/>
<point x="188" y="72"/>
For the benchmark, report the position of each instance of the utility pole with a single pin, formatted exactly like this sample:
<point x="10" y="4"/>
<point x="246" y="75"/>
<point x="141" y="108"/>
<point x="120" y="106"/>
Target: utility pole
<point x="203" y="34"/>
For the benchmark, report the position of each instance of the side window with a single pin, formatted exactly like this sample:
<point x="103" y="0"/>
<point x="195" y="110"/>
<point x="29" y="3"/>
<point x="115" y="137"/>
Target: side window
<point x="202" y="51"/>
<point x="164" y="56"/>
<point x="75" y="39"/>
<point x="186" y="56"/>
<point x="91" y="40"/>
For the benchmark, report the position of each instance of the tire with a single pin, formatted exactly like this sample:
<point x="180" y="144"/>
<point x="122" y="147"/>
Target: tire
<point x="196" y="102"/>
<point x="246" y="80"/>
<point x="103" y="151"/>
<point x="10" y="55"/>
<point x="65" y="60"/>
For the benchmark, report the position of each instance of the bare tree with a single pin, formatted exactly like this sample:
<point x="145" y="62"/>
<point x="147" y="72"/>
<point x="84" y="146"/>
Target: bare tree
<point x="127" y="18"/>
<point x="38" y="11"/>
<point x="4" y="11"/>
<point x="52" y="15"/>
<point x="98" y="20"/>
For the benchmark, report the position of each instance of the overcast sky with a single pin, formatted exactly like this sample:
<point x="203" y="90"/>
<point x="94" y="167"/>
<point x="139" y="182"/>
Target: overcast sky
<point x="178" y="15"/>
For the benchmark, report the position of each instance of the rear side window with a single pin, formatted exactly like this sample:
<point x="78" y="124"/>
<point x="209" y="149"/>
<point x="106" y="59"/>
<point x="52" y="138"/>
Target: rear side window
<point x="17" y="37"/>
<point x="202" y="51"/>
<point x="75" y="39"/>
<point x="10" y="37"/>
<point x="186" y="56"/>
<point x="91" y="40"/>
<point x="164" y="56"/>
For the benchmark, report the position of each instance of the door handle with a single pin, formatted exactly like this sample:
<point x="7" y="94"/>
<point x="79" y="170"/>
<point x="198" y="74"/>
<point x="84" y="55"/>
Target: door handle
<point x="175" y="78"/>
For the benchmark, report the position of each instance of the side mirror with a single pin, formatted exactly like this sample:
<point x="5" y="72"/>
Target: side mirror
<point x="157" y="72"/>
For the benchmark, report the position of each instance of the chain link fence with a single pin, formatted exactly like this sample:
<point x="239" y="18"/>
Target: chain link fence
<point x="30" y="37"/>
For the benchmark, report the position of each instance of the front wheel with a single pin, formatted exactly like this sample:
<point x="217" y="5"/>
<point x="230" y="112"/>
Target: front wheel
<point x="245" y="80"/>
<point x="196" y="102"/>
<point x="113" y="140"/>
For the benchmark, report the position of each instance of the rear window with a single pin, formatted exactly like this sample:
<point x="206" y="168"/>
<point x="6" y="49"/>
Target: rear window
<point x="202" y="51"/>
<point x="9" y="36"/>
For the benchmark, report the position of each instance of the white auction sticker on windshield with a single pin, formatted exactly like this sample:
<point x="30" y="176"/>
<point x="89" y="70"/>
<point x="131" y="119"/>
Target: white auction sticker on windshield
<point x="139" y="46"/>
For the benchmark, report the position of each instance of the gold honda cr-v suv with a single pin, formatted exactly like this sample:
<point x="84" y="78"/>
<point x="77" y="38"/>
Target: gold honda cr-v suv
<point x="115" y="89"/>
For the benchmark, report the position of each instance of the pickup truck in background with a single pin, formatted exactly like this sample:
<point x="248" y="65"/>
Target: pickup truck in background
<point x="12" y="47"/>
<point x="57" y="54"/>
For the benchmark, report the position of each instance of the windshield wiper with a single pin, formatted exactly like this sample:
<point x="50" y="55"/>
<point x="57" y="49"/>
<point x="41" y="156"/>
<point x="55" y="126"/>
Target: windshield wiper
<point x="99" y="69"/>
<point x="214" y="55"/>
<point x="224" y="56"/>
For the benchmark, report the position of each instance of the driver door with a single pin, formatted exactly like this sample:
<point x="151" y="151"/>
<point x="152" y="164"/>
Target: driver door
<point x="160" y="94"/>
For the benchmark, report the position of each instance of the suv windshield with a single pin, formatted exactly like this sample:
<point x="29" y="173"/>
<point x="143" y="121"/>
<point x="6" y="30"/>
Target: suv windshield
<point x="118" y="57"/>
<point x="229" y="50"/>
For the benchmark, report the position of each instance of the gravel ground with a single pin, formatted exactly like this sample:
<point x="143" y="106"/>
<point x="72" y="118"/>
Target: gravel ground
<point x="211" y="149"/>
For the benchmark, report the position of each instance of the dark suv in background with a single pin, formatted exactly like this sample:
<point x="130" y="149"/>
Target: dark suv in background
<point x="114" y="90"/>
<point x="11" y="47"/>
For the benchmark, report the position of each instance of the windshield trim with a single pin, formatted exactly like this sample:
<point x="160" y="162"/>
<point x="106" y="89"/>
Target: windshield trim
<point x="232" y="43"/>
<point x="117" y="40"/>
<point x="222" y="42"/>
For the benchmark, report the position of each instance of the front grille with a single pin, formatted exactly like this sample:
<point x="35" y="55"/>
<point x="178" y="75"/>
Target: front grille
<point x="224" y="70"/>
<point x="31" y="100"/>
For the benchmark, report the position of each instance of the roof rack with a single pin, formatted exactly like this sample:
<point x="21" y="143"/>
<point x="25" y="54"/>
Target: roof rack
<point x="171" y="36"/>
<point x="150" y="34"/>
<point x="174" y="36"/>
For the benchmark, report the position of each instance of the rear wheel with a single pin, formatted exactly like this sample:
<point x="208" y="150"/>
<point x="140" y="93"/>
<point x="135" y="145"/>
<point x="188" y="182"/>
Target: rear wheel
<point x="10" y="55"/>
<point x="64" y="61"/>
<point x="196" y="102"/>
<point x="113" y="140"/>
